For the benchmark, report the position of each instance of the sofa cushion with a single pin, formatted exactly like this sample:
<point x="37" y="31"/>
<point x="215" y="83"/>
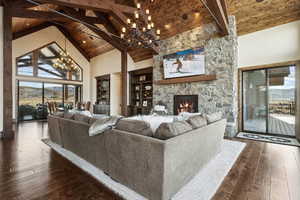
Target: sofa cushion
<point x="169" y="130"/>
<point x="82" y="118"/>
<point x="135" y="126"/>
<point x="197" y="121"/>
<point x="211" y="118"/>
<point x="68" y="115"/>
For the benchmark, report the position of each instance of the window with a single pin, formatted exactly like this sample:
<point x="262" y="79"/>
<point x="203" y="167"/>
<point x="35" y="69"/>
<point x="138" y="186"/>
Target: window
<point x="24" y="65"/>
<point x="43" y="63"/>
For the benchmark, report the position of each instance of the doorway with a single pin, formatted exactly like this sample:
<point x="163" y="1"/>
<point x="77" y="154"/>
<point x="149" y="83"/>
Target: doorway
<point x="269" y="101"/>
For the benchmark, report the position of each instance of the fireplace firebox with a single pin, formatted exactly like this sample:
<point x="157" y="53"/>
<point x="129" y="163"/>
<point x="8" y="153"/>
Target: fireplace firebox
<point x="185" y="103"/>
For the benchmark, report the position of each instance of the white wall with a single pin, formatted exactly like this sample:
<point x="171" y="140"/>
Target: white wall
<point x="274" y="45"/>
<point x="110" y="63"/>
<point x="115" y="93"/>
<point x="43" y="37"/>
<point x="1" y="69"/>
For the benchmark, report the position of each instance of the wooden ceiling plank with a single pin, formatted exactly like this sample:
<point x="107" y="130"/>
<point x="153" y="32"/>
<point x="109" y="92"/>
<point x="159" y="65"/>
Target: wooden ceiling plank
<point x="72" y="40"/>
<point x="23" y="4"/>
<point x="31" y="30"/>
<point x="49" y="16"/>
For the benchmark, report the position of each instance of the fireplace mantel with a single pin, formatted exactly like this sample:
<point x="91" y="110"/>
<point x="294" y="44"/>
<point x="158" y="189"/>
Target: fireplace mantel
<point x="187" y="79"/>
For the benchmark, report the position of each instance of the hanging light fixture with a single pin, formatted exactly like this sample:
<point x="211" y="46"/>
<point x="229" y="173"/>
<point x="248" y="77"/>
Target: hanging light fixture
<point x="141" y="30"/>
<point x="65" y="62"/>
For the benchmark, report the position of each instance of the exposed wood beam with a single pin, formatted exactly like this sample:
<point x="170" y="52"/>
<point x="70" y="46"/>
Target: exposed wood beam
<point x="218" y="10"/>
<point x="31" y="30"/>
<point x="124" y="76"/>
<point x="72" y="40"/>
<point x="116" y="10"/>
<point x="107" y="23"/>
<point x="99" y="5"/>
<point x="111" y="40"/>
<point x="50" y="16"/>
<point x="7" y="71"/>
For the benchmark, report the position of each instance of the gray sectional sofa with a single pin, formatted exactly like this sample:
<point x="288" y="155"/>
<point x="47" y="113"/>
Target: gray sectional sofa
<point x="155" y="168"/>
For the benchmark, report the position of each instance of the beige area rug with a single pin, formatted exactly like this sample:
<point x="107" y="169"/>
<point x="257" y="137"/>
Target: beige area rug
<point x="202" y="187"/>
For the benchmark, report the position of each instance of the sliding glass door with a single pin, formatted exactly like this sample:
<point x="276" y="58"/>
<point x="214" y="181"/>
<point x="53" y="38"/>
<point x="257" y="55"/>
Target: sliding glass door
<point x="255" y="101"/>
<point x="34" y="97"/>
<point x="281" y="103"/>
<point x="31" y="101"/>
<point x="269" y="101"/>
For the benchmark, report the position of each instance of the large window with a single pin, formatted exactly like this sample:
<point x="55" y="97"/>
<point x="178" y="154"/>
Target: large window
<point x="34" y="98"/>
<point x="49" y="62"/>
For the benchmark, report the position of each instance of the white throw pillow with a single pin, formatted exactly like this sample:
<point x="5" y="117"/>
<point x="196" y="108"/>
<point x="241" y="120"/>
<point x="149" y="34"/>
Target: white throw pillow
<point x="183" y="116"/>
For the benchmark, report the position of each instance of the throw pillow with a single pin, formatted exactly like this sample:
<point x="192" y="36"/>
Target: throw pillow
<point x="169" y="130"/>
<point x="214" y="117"/>
<point x="197" y="121"/>
<point x="183" y="116"/>
<point x="135" y="126"/>
<point x="103" y="124"/>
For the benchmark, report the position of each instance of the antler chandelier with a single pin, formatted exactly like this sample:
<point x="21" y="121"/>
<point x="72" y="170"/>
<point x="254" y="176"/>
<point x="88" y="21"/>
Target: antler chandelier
<point x="140" y="31"/>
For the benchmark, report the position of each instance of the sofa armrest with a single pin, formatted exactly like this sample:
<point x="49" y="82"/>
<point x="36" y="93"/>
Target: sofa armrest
<point x="54" y="130"/>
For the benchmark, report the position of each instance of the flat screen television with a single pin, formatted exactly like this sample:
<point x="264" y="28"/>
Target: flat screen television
<point x="184" y="63"/>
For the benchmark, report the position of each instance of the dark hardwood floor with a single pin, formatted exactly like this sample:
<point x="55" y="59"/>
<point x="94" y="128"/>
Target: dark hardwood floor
<point x="31" y="170"/>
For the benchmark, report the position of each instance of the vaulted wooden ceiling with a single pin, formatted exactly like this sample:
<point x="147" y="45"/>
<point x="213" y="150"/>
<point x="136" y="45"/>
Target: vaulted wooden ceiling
<point x="172" y="17"/>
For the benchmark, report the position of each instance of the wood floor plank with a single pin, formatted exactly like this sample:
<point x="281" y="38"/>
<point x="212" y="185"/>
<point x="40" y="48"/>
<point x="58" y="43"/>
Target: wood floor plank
<point x="30" y="170"/>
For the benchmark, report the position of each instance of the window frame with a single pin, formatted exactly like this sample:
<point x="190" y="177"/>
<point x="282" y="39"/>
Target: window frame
<point x="35" y="75"/>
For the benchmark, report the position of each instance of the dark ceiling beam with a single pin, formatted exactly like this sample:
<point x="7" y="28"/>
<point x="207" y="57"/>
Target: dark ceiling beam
<point x="72" y="40"/>
<point x="99" y="5"/>
<point x="109" y="6"/>
<point x="50" y="16"/>
<point x="105" y="36"/>
<point x="31" y="30"/>
<point x="218" y="10"/>
<point x="106" y="22"/>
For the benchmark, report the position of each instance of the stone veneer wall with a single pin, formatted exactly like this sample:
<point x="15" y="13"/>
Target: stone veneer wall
<point x="220" y="58"/>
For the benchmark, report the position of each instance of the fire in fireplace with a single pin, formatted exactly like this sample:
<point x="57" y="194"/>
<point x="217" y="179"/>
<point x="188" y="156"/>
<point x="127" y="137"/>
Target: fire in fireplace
<point x="185" y="103"/>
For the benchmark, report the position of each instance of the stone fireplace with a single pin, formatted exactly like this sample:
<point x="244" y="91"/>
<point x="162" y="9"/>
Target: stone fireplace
<point x="185" y="103"/>
<point x="221" y="58"/>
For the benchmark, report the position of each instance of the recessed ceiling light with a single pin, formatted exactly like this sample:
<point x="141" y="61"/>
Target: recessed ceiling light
<point x="83" y="41"/>
<point x="167" y="26"/>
